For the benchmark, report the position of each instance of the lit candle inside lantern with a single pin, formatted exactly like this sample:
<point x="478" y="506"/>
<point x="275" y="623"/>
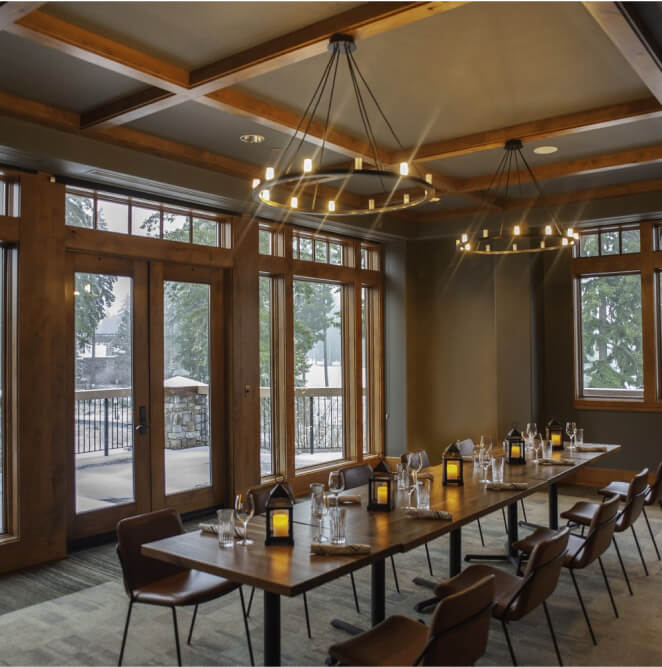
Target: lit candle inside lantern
<point x="515" y="451"/>
<point x="280" y="524"/>
<point x="556" y="439"/>
<point x="382" y="494"/>
<point x="452" y="470"/>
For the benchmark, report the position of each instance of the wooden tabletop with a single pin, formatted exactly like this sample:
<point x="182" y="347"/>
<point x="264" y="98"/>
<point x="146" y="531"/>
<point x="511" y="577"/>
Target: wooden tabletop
<point x="292" y="570"/>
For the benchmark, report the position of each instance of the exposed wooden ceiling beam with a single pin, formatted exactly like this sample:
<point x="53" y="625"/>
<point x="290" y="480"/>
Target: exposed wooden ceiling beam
<point x="582" y="121"/>
<point x="587" y="165"/>
<point x="554" y="200"/>
<point x="619" y="23"/>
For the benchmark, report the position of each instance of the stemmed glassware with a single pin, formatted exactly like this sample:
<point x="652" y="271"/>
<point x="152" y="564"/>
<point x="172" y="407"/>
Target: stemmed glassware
<point x="336" y="483"/>
<point x="244" y="509"/>
<point x="485" y="460"/>
<point x="571" y="430"/>
<point x="537" y="444"/>
<point x="530" y="432"/>
<point x="317" y="510"/>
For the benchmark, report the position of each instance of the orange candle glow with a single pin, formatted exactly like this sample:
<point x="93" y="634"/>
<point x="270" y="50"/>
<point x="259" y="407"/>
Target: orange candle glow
<point x="382" y="494"/>
<point x="515" y="451"/>
<point x="280" y="524"/>
<point x="556" y="439"/>
<point x="452" y="470"/>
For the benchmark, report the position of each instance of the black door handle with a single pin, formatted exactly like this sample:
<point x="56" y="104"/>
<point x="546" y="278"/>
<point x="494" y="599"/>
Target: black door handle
<point x="142" y="420"/>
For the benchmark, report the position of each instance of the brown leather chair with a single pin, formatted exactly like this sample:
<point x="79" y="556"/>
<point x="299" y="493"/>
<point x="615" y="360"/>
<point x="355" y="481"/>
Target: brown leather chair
<point x="582" y="551"/>
<point x="653" y="495"/>
<point x="516" y="596"/>
<point x="151" y="581"/>
<point x="457" y="634"/>
<point x="581" y="513"/>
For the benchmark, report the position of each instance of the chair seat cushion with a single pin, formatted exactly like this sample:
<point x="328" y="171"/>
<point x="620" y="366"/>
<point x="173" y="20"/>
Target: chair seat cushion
<point x="184" y="588"/>
<point x="396" y="641"/>
<point x="528" y="543"/>
<point x="581" y="512"/>
<point x="615" y="489"/>
<point x="505" y="585"/>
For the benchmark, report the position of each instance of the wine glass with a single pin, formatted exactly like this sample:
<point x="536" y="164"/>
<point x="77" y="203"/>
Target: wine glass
<point x="317" y="511"/>
<point x="412" y="480"/>
<point x="415" y="461"/>
<point x="485" y="462"/>
<point x="531" y="431"/>
<point x="537" y="444"/>
<point x="571" y="430"/>
<point x="336" y="482"/>
<point x="244" y="510"/>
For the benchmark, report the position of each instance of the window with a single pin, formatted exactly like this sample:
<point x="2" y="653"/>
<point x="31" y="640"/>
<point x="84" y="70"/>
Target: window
<point x="611" y="350"/>
<point x="319" y="248"/>
<point x="622" y="240"/>
<point x="370" y="257"/>
<point x="10" y="197"/>
<point x="121" y="214"/>
<point x="365" y="369"/>
<point x="318" y="373"/>
<point x="266" y="388"/>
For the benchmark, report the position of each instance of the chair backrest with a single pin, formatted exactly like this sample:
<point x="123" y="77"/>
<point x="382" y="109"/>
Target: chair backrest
<point x="460" y="626"/>
<point x="261" y="495"/>
<point x="599" y="535"/>
<point x="541" y="575"/>
<point x="132" y="533"/>
<point x="634" y="501"/>
<point x="356" y="475"/>
<point x="655" y="488"/>
<point x="412" y="458"/>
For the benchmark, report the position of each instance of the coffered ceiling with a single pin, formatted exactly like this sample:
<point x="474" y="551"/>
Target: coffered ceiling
<point x="183" y="80"/>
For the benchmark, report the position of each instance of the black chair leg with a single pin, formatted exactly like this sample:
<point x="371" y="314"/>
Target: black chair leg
<point x="250" y="602"/>
<point x="611" y="595"/>
<point x="620" y="560"/>
<point x="356" y="597"/>
<point x="650" y="532"/>
<point x="190" y="632"/>
<point x="510" y="646"/>
<point x="641" y="555"/>
<point x="246" y="628"/>
<point x="480" y="532"/>
<point x="126" y="630"/>
<point x="524" y="510"/>
<point x="551" y="632"/>
<point x="427" y="554"/>
<point x="305" y="609"/>
<point x="174" y="623"/>
<point x="581" y="604"/>
<point x="505" y="522"/>
<point x="395" y="575"/>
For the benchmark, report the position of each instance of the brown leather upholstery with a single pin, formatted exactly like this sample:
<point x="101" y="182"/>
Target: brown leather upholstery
<point x="515" y="596"/>
<point x="356" y="475"/>
<point x="156" y="582"/>
<point x="581" y="512"/>
<point x="412" y="458"/>
<point x="621" y="489"/>
<point x="261" y="495"/>
<point x="457" y="634"/>
<point x="655" y="490"/>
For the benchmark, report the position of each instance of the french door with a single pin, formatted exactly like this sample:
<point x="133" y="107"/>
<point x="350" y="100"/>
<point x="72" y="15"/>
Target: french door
<point x="147" y="428"/>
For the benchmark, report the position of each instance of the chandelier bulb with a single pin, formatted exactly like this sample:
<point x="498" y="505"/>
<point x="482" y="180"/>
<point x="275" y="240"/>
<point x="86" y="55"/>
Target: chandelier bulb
<point x="404" y="169"/>
<point x="488" y="247"/>
<point x="294" y="202"/>
<point x="270" y="173"/>
<point x="371" y="204"/>
<point x="405" y="198"/>
<point x="467" y="246"/>
<point x="542" y="244"/>
<point x="548" y="230"/>
<point x="265" y="195"/>
<point x="256" y="182"/>
<point x="464" y="238"/>
<point x="515" y="247"/>
<point x="516" y="230"/>
<point x="307" y="165"/>
<point x="564" y="241"/>
<point x="332" y="205"/>
<point x="486" y="233"/>
<point x="428" y="178"/>
<point x="358" y="163"/>
<point x="570" y="232"/>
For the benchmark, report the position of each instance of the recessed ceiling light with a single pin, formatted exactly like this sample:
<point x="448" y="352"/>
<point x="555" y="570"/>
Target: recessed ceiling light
<point x="545" y="150"/>
<point x="252" y="138"/>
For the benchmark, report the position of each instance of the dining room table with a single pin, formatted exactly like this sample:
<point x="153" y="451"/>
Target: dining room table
<point x="292" y="570"/>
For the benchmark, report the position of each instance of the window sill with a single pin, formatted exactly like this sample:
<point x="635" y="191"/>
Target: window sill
<point x="618" y="405"/>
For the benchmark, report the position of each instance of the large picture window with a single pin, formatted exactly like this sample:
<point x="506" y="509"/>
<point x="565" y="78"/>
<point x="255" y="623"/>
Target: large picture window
<point x="266" y="373"/>
<point x="611" y="336"/>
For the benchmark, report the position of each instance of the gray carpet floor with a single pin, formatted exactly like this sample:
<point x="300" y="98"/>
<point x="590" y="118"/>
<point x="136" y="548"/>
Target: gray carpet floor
<point x="72" y="612"/>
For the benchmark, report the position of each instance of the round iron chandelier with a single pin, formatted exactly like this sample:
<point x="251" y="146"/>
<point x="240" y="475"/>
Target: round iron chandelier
<point x="510" y="239"/>
<point x="302" y="183"/>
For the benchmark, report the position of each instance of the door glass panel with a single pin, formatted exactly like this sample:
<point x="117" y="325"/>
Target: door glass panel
<point x="318" y="373"/>
<point x="266" y="390"/>
<point x="186" y="385"/>
<point x="3" y="507"/>
<point x="364" y="369"/>
<point x="103" y="411"/>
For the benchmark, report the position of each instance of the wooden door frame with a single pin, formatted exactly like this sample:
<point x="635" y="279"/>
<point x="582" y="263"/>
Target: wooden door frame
<point x="104" y="520"/>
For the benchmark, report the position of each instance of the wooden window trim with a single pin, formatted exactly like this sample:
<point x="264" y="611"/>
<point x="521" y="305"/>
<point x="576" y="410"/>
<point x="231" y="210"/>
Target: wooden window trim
<point x="647" y="263"/>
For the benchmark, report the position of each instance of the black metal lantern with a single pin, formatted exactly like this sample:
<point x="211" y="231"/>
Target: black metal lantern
<point x="452" y="462"/>
<point x="515" y="450"/>
<point x="554" y="435"/>
<point x="381" y="489"/>
<point x="280" y="516"/>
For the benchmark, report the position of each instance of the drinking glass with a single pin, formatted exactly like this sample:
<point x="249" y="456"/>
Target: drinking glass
<point x="412" y="485"/>
<point x="485" y="460"/>
<point x="497" y="469"/>
<point x="415" y="461"/>
<point x="225" y="527"/>
<point x="337" y="525"/>
<point x="530" y="432"/>
<point x="537" y="446"/>
<point x="402" y="476"/>
<point x="423" y="494"/>
<point x="244" y="508"/>
<point x="579" y="437"/>
<point x="317" y="510"/>
<point x="571" y="429"/>
<point x="336" y="482"/>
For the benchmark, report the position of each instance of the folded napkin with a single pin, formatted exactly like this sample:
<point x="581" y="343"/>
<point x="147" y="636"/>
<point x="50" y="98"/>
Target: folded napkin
<point x="349" y="500"/>
<point x="591" y="448"/>
<point x="507" y="486"/>
<point x="468" y="458"/>
<point x="339" y="549"/>
<point x="212" y="528"/>
<point x="415" y="513"/>
<point x="466" y="446"/>
<point x="557" y="462"/>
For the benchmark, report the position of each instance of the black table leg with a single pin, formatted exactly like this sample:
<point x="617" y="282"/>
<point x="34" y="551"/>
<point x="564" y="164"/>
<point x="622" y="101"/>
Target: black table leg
<point x="509" y="553"/>
<point x="271" y="628"/>
<point x="553" y="502"/>
<point x="378" y="591"/>
<point x="455" y="555"/>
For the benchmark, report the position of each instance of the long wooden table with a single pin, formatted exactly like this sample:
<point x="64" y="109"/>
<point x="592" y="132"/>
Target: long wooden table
<point x="292" y="570"/>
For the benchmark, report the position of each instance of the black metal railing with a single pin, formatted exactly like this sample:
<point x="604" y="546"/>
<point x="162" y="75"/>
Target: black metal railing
<point x="103" y="420"/>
